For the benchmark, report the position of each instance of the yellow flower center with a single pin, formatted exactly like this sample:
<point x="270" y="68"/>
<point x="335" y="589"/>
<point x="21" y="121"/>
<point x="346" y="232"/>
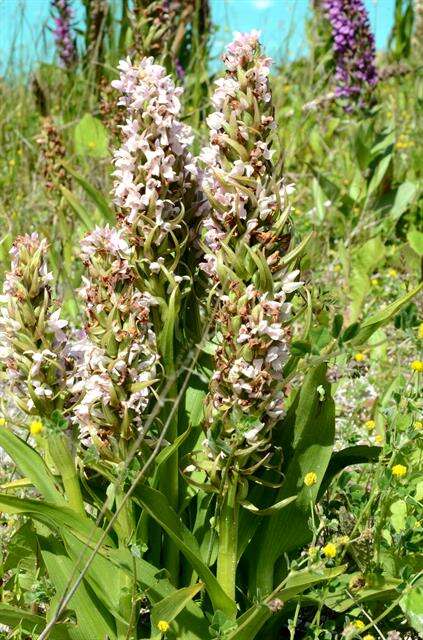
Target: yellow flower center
<point x="329" y="550"/>
<point x="163" y="626"/>
<point x="399" y="470"/>
<point x="36" y="427"/>
<point x="310" y="479"/>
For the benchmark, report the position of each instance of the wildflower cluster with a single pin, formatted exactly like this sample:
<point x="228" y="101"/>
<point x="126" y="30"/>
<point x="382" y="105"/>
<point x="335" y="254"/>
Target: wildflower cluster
<point x="244" y="235"/>
<point x="247" y="201"/>
<point x="53" y="153"/>
<point x="156" y="177"/>
<point x="65" y="43"/>
<point x="33" y="345"/>
<point x="354" y="49"/>
<point x="117" y="352"/>
<point x="163" y="29"/>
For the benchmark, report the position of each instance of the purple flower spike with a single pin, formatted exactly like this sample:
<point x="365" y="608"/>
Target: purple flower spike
<point x="63" y="15"/>
<point x="354" y="49"/>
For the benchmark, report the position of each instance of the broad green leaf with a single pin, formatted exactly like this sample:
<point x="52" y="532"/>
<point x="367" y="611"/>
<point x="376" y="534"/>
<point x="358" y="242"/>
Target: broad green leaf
<point x="358" y="454"/>
<point x="405" y="194"/>
<point x="319" y="200"/>
<point x="91" y="138"/>
<point x="78" y="208"/>
<point x="412" y="606"/>
<point x="93" y="619"/>
<point x="415" y="239"/>
<point x="190" y="623"/>
<point x="168" y="608"/>
<point x="379" y="173"/>
<point x="268" y="511"/>
<point x="156" y="504"/>
<point x="54" y="516"/>
<point x="251" y="622"/>
<point x="101" y="573"/>
<point x="369" y="326"/>
<point x="31" y="464"/>
<point x="377" y="588"/>
<point x="30" y="623"/>
<point x="311" y="439"/>
<point x="98" y="199"/>
<point x="398" y="515"/>
<point x="365" y="259"/>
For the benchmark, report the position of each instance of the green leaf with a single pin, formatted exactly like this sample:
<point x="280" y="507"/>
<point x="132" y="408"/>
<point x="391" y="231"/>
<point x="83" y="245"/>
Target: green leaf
<point x="358" y="454"/>
<point x="54" y="516"/>
<point x="91" y="138"/>
<point x="31" y="464"/>
<point x="412" y="606"/>
<point x="250" y="623"/>
<point x="94" y="620"/>
<point x="398" y="515"/>
<point x="364" y="260"/>
<point x="369" y="326"/>
<point x="300" y="347"/>
<point x="378" y="588"/>
<point x="168" y="608"/>
<point x="307" y="444"/>
<point x="405" y="194"/>
<point x="379" y="173"/>
<point x="80" y="211"/>
<point x="415" y="240"/>
<point x="319" y="200"/>
<point x="157" y="505"/>
<point x="98" y="199"/>
<point x="30" y="623"/>
<point x="269" y="510"/>
<point x="190" y="623"/>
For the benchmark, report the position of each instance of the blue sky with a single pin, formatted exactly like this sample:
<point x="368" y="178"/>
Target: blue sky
<point x="280" y="21"/>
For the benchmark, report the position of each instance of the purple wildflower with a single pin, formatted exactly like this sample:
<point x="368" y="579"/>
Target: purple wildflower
<point x="354" y="49"/>
<point x="65" y="44"/>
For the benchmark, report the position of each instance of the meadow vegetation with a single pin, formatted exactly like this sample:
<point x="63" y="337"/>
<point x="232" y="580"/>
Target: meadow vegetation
<point x="211" y="331"/>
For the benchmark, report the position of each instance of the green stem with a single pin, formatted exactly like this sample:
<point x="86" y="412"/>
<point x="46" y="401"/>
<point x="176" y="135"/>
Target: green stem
<point x="228" y="537"/>
<point x="61" y="455"/>
<point x="169" y="485"/>
<point x="125" y="529"/>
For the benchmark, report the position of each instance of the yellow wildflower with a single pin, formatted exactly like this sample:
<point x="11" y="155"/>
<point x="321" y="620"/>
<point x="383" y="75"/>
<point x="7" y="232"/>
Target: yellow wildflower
<point x="163" y="626"/>
<point x="392" y="273"/>
<point x="368" y="636"/>
<point x="2" y="422"/>
<point x="374" y="282"/>
<point x="359" y="357"/>
<point x="310" y="479"/>
<point x="370" y="425"/>
<point x="418" y="425"/>
<point x="329" y="550"/>
<point x="359" y="624"/>
<point x="417" y="365"/>
<point x="378" y="439"/>
<point x="36" y="427"/>
<point x="399" y="470"/>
